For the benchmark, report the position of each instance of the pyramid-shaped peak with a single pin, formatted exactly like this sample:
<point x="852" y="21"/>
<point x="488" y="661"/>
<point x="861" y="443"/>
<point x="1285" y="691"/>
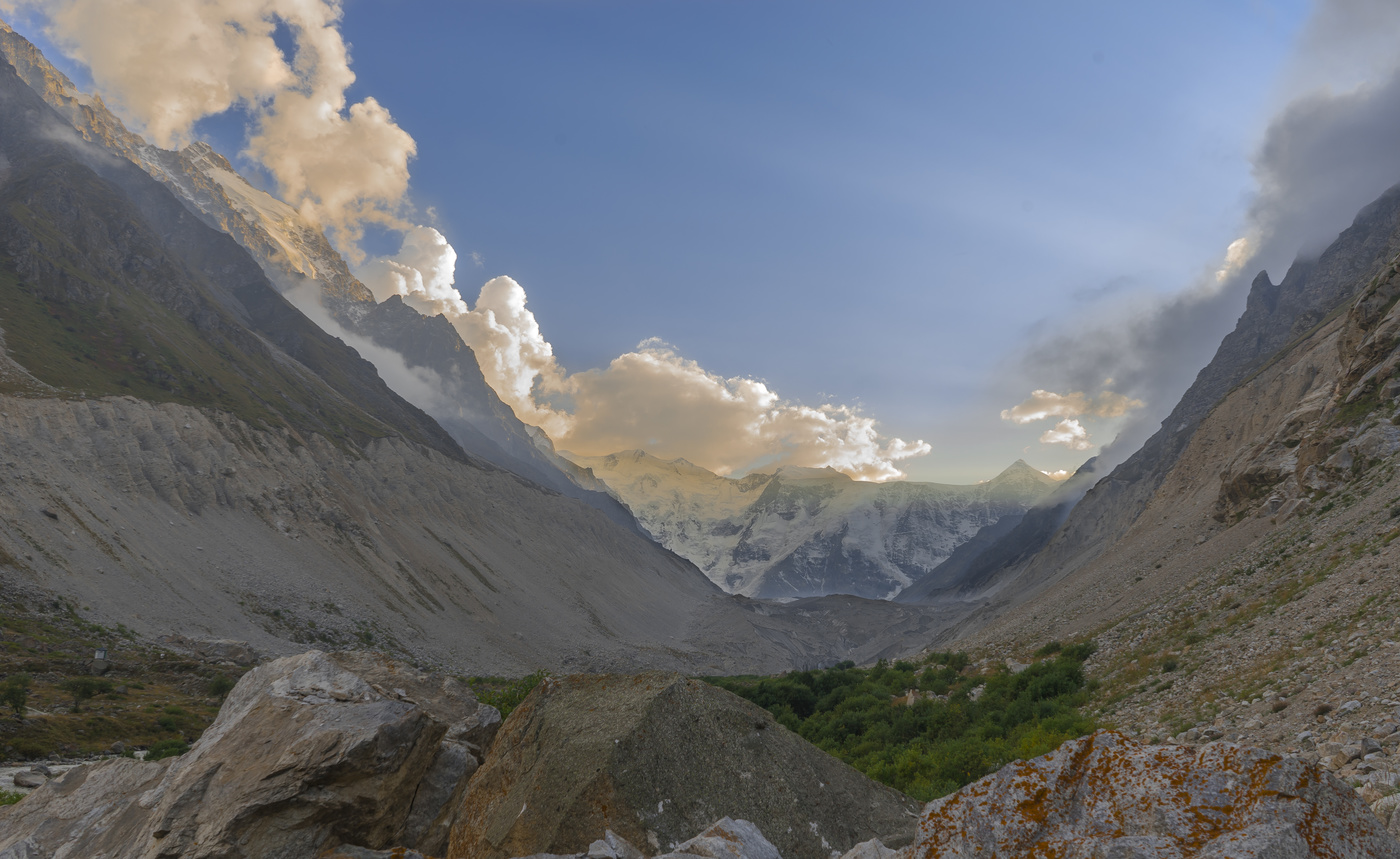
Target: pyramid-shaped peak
<point x="1020" y="471"/>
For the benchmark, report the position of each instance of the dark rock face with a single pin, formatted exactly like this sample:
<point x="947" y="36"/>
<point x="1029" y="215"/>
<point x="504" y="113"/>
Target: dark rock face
<point x="308" y="752"/>
<point x="1105" y="795"/>
<point x="155" y="298"/>
<point x="656" y="758"/>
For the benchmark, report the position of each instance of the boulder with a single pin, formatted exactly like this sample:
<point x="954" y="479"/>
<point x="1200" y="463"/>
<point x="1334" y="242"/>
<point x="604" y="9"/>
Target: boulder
<point x="308" y="753"/>
<point x="1106" y="795"/>
<point x="726" y="839"/>
<point x="656" y="758"/>
<point x="29" y="779"/>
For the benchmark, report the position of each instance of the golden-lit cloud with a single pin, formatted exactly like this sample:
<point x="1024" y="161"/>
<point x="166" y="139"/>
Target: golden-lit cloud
<point x="1047" y="404"/>
<point x="654" y="399"/>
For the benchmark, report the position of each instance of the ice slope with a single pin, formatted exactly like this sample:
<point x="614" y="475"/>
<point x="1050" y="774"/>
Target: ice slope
<point x="802" y="532"/>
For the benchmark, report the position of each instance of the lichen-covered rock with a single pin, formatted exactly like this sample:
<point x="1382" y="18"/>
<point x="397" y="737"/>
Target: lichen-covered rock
<point x="1105" y="795"/>
<point x="656" y="758"/>
<point x="307" y="753"/>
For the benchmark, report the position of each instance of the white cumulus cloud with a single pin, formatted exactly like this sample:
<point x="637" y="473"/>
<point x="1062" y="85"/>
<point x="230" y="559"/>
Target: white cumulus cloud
<point x="1043" y="404"/>
<point x="653" y="398"/>
<point x="1069" y="433"/>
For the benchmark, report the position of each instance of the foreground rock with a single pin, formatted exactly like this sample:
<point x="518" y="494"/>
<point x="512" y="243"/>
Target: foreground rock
<point x="656" y="758"/>
<point x="309" y="752"/>
<point x="1105" y="795"/>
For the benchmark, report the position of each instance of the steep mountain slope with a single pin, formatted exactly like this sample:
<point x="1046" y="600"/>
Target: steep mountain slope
<point x="1257" y="596"/>
<point x="1044" y="547"/>
<point x="296" y="256"/>
<point x="183" y="451"/>
<point x="806" y="532"/>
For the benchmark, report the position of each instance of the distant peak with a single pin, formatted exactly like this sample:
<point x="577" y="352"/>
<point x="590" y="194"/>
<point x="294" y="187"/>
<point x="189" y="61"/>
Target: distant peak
<point x="1020" y="470"/>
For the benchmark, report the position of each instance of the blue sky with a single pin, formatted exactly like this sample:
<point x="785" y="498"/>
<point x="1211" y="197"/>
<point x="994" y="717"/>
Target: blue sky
<point x="875" y="202"/>
<point x="880" y="204"/>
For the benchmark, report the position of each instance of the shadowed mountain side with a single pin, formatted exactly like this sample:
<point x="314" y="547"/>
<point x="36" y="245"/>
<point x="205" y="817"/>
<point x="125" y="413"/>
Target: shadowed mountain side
<point x="1273" y="316"/>
<point x="295" y="254"/>
<point x="114" y="271"/>
<point x="948" y="574"/>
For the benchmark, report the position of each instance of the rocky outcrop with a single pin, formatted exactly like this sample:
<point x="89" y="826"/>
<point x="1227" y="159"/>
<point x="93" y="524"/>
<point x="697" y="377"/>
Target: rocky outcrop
<point x="802" y="532"/>
<point x="656" y="758"/>
<point x="308" y="752"/>
<point x="1105" y="795"/>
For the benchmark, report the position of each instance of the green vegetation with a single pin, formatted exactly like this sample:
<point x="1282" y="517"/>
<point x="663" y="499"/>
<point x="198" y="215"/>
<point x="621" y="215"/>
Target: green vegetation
<point x="148" y="696"/>
<point x="928" y="729"/>
<point x="504" y="693"/>
<point x="14" y="693"/>
<point x="84" y="688"/>
<point x="220" y="686"/>
<point x="10" y="797"/>
<point x="171" y="748"/>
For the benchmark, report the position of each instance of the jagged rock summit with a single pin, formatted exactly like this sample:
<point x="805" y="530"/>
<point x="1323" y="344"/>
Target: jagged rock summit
<point x="801" y="532"/>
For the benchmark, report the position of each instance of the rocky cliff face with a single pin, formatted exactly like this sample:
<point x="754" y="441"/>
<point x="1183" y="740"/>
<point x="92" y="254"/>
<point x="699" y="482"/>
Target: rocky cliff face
<point x="808" y="532"/>
<point x="1275" y="314"/>
<point x="297" y="258"/>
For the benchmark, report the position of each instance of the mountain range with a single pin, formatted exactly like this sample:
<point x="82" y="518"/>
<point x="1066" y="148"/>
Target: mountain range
<point x="799" y="532"/>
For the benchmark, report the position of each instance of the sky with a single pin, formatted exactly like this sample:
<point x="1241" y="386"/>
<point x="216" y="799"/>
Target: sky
<point x="901" y="238"/>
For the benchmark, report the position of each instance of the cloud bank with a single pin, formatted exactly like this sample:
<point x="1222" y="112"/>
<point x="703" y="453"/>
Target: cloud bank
<point x="652" y="397"/>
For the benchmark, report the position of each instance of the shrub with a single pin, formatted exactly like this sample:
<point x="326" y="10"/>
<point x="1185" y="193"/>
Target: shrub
<point x="84" y="688"/>
<point x="220" y="686"/>
<point x="167" y="749"/>
<point x="933" y="745"/>
<point x="504" y="694"/>
<point x="10" y="797"/>
<point x="14" y="693"/>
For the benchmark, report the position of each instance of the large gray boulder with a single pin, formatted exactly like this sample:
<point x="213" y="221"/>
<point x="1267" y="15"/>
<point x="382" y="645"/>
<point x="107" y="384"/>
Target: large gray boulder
<point x="308" y="752"/>
<point x="656" y="758"/>
<point x="1107" y="796"/>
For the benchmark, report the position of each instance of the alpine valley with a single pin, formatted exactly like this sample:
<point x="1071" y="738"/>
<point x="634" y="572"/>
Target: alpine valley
<point x="342" y="618"/>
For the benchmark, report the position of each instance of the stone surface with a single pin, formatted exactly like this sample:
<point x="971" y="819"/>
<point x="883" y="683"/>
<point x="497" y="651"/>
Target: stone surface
<point x="1105" y="795"/>
<point x="308" y="752"/>
<point x="726" y="839"/>
<point x="655" y="758"/>
<point x="871" y="849"/>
